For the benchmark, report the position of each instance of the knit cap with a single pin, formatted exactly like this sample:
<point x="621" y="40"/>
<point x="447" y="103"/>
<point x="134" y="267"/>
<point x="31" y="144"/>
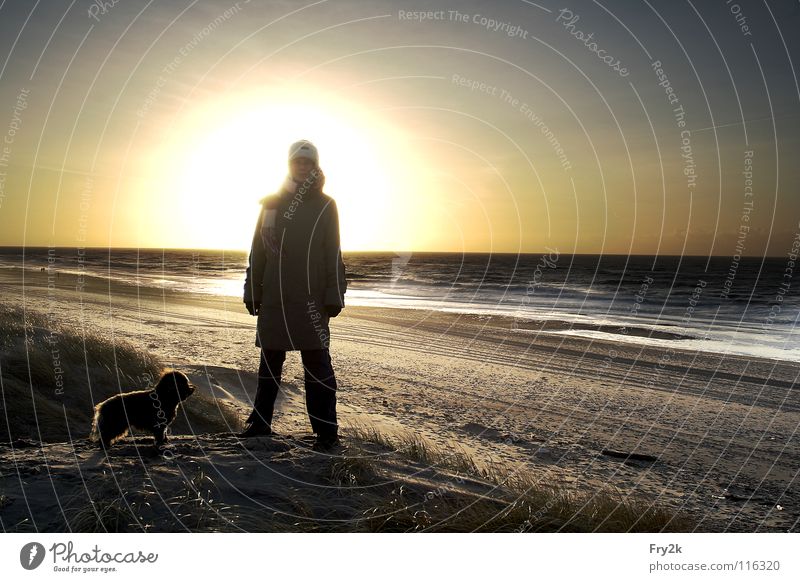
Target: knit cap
<point x="304" y="149"/>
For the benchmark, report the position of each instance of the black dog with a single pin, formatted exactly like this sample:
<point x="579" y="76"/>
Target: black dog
<point x="151" y="410"/>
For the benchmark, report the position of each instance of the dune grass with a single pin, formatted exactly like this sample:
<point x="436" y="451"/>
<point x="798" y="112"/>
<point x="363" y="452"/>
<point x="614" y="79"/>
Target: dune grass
<point x="126" y="504"/>
<point x="52" y="376"/>
<point x="520" y="503"/>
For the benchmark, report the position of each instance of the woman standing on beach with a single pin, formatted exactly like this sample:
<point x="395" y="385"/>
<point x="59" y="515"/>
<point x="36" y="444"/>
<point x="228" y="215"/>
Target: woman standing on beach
<point x="295" y="282"/>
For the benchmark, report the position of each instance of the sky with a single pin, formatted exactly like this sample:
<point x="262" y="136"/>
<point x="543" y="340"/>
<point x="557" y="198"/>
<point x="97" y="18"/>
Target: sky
<point x="613" y="127"/>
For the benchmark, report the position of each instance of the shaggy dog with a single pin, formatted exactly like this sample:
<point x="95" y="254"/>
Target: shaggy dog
<point x="151" y="410"/>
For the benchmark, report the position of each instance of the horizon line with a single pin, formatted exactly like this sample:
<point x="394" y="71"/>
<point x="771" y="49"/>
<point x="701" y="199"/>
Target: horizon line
<point x="393" y="251"/>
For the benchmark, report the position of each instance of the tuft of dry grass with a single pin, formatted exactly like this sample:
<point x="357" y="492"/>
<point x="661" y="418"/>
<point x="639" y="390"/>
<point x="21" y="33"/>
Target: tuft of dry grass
<point x="104" y="506"/>
<point x="519" y="501"/>
<point x="352" y="471"/>
<point x="125" y="504"/>
<point x="415" y="447"/>
<point x="196" y="507"/>
<point x="53" y="376"/>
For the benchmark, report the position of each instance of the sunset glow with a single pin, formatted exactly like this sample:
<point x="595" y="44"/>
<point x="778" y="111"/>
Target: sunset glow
<point x="220" y="159"/>
<point x="512" y="129"/>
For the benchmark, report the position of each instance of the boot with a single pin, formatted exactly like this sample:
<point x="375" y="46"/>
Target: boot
<point x="255" y="429"/>
<point x="327" y="442"/>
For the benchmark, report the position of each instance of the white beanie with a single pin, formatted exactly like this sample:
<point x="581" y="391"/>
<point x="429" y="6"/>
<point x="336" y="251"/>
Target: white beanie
<point x="303" y="149"/>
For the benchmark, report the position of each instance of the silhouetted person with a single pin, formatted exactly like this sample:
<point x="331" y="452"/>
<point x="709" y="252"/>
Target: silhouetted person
<point x="295" y="282"/>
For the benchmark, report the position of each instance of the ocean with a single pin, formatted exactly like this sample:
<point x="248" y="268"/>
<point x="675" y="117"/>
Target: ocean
<point x="745" y="306"/>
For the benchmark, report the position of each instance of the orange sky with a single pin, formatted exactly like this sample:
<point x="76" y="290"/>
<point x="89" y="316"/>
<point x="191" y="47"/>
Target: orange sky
<point x="494" y="129"/>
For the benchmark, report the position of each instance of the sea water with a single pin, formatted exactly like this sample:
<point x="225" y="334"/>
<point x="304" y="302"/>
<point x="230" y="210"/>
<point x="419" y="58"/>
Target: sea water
<point x="747" y="306"/>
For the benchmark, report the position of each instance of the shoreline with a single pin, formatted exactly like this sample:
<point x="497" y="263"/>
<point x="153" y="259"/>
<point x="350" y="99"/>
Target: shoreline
<point x="605" y="334"/>
<point x="722" y="427"/>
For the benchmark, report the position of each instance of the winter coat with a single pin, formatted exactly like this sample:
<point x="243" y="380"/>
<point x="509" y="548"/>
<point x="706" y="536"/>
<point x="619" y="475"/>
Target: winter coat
<point x="296" y="267"/>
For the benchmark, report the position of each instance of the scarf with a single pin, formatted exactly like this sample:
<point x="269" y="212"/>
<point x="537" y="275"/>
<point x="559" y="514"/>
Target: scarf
<point x="291" y="188"/>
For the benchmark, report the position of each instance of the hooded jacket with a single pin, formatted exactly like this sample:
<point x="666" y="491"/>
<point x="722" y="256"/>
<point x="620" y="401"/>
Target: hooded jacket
<point x="295" y="267"/>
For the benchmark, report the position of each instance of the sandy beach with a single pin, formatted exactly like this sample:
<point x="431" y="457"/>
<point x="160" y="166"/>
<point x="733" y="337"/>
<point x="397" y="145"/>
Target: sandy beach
<point x="713" y="436"/>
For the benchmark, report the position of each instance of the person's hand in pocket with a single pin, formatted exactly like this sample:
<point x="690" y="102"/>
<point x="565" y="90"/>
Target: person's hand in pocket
<point x="333" y="310"/>
<point x="252" y="307"/>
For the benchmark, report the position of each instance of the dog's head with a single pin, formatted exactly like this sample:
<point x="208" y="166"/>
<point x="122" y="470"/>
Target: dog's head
<point x="174" y="386"/>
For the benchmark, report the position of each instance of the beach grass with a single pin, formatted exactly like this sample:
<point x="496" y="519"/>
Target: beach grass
<point x="53" y="376"/>
<point x="522" y="504"/>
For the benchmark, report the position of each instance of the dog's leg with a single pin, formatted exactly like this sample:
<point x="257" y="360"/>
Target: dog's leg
<point x="160" y="435"/>
<point x="104" y="439"/>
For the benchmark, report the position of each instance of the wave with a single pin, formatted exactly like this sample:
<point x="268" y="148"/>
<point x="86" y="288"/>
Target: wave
<point x="654" y="292"/>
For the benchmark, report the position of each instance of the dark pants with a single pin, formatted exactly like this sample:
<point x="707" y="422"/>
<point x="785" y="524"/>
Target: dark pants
<point x="320" y="384"/>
